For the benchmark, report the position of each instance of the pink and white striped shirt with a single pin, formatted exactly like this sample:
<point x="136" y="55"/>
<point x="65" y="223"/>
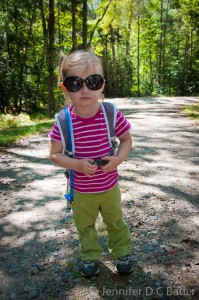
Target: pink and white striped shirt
<point x="91" y="141"/>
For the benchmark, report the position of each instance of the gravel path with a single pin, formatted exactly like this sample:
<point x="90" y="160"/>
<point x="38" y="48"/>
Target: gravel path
<point x="159" y="182"/>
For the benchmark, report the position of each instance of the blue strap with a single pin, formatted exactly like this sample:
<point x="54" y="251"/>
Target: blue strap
<point x="69" y="141"/>
<point x="69" y="196"/>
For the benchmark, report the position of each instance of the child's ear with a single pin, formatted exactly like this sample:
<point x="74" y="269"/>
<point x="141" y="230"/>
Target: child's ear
<point x="103" y="85"/>
<point x="63" y="87"/>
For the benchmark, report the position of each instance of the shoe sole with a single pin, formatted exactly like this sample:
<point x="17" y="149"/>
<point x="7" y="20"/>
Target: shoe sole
<point x="90" y="275"/>
<point x="116" y="270"/>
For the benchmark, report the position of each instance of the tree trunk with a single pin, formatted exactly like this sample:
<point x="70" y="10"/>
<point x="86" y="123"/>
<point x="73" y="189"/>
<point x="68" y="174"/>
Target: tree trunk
<point x="128" y="71"/>
<point x="161" y="46"/>
<point x="85" y="12"/>
<point x="74" y="34"/>
<point x="51" y="52"/>
<point x="114" y="67"/>
<point x="138" y="57"/>
<point x="106" y="69"/>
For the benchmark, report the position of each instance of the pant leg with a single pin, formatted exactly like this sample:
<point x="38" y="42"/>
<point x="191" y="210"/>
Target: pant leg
<point x="119" y="240"/>
<point x="86" y="210"/>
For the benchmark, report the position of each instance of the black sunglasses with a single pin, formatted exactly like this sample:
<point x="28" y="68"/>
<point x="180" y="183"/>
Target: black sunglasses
<point x="74" y="84"/>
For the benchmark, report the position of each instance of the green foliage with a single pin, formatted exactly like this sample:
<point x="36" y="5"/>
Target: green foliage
<point x="10" y="135"/>
<point x="192" y="111"/>
<point x="8" y="120"/>
<point x="147" y="48"/>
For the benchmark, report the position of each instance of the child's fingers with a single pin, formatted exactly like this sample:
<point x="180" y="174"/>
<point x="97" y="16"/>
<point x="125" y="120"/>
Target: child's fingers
<point x="107" y="158"/>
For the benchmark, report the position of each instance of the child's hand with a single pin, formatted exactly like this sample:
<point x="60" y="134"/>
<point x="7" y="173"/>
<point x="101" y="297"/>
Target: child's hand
<point x="113" y="162"/>
<point x="85" y="167"/>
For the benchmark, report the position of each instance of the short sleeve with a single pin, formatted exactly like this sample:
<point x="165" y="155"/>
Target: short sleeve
<point x="55" y="134"/>
<point x="122" y="125"/>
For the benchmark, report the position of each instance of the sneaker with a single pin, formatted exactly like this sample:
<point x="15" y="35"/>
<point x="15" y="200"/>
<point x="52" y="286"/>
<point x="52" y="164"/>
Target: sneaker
<point x="89" y="268"/>
<point x="123" y="264"/>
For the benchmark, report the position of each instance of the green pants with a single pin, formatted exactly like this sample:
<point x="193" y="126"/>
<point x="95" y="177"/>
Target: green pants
<point x="86" y="209"/>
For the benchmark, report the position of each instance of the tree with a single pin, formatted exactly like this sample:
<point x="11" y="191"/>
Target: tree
<point x="84" y="12"/>
<point x="51" y="55"/>
<point x="74" y="34"/>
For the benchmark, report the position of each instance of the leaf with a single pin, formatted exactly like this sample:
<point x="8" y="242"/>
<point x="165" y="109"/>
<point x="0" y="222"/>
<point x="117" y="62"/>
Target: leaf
<point x="169" y="249"/>
<point x="138" y="224"/>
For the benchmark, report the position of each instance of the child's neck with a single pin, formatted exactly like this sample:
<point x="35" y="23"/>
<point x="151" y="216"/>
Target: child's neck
<point x="87" y="112"/>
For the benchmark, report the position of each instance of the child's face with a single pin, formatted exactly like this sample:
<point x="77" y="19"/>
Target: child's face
<point x="85" y="97"/>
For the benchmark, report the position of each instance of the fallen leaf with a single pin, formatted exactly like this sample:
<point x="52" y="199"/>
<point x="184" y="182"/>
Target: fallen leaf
<point x="138" y="224"/>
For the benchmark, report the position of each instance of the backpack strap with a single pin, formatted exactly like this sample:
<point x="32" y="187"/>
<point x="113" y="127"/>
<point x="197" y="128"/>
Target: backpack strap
<point x="110" y="114"/>
<point x="68" y="125"/>
<point x="65" y="126"/>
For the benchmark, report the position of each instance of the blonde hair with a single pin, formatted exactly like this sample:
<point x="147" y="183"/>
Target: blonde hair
<point x="79" y="58"/>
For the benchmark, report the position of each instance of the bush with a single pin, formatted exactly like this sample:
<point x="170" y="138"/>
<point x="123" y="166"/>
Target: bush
<point x="39" y="116"/>
<point x="192" y="111"/>
<point x="8" y="121"/>
<point x="23" y="119"/>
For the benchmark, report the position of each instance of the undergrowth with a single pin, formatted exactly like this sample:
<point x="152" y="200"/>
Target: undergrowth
<point x="192" y="111"/>
<point x="13" y="128"/>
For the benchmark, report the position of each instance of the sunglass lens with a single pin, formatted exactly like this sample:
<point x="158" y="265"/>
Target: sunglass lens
<point x="73" y="83"/>
<point x="94" y="82"/>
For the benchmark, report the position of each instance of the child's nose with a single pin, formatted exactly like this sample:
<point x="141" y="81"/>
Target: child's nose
<point x="84" y="87"/>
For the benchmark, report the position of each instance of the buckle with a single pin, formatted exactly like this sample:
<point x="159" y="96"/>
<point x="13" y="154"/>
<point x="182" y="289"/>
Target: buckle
<point x="100" y="162"/>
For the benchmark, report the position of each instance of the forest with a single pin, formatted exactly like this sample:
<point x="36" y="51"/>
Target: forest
<point x="147" y="47"/>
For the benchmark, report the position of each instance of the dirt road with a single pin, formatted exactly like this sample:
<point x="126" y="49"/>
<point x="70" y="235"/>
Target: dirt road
<point x="160" y="194"/>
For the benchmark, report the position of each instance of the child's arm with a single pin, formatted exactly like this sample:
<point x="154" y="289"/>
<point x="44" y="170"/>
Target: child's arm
<point x="80" y="165"/>
<point x="123" y="150"/>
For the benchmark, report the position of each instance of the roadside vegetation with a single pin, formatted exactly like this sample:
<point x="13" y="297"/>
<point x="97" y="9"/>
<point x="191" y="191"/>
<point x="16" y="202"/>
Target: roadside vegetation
<point x="13" y="128"/>
<point x="192" y="111"/>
